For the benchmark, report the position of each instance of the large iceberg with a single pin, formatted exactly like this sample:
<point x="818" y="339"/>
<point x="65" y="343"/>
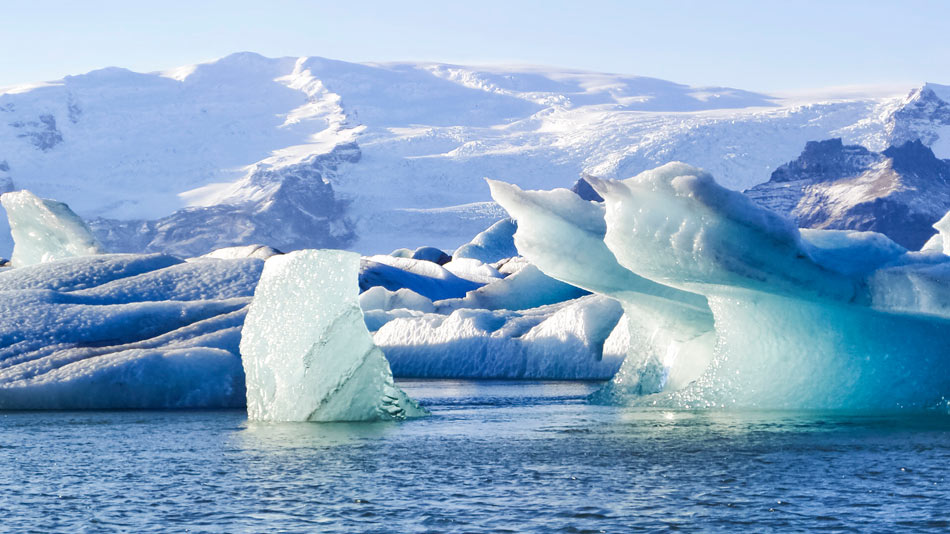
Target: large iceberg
<point x="45" y="230"/>
<point x="124" y="331"/>
<point x="730" y="305"/>
<point x="306" y="352"/>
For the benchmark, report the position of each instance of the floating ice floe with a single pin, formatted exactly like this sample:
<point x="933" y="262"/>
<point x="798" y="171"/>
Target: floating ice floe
<point x="45" y="230"/>
<point x="730" y="305"/>
<point x="306" y="351"/>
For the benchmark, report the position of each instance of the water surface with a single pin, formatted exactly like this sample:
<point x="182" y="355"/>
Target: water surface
<point x="493" y="457"/>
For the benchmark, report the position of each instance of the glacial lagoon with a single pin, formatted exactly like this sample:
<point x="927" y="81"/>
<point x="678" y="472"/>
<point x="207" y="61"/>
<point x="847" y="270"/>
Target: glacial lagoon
<point x="494" y="456"/>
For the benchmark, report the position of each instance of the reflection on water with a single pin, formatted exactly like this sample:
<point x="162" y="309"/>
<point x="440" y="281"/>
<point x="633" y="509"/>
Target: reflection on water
<point x="493" y="457"/>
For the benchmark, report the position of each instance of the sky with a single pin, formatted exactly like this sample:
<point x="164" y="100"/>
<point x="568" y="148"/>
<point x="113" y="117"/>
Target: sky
<point x="760" y="46"/>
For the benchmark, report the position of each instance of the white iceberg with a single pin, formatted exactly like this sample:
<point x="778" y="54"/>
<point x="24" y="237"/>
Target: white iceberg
<point x="45" y="230"/>
<point x="306" y="352"/>
<point x="801" y="320"/>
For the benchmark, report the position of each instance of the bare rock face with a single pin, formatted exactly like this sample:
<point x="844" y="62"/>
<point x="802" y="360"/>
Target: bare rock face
<point x="300" y="210"/>
<point x="900" y="192"/>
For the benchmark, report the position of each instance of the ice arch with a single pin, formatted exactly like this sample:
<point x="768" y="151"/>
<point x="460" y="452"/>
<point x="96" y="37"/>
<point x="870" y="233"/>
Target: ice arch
<point x="817" y="319"/>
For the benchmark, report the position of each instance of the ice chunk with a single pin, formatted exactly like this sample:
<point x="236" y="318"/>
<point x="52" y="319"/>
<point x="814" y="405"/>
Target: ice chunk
<point x="940" y="242"/>
<point x="431" y="254"/>
<point x="565" y="239"/>
<point x="195" y="377"/>
<point x="561" y="341"/>
<point x="664" y="224"/>
<point x="472" y="270"/>
<point x="493" y="244"/>
<point x="306" y="352"/>
<point x="45" y="230"/>
<point x="528" y="288"/>
<point x="423" y="277"/>
<point x="248" y="251"/>
<point x="380" y="298"/>
<point x="850" y="252"/>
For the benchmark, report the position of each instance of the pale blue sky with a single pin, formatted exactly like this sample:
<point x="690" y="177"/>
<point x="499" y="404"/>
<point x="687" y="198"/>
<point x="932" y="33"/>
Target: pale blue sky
<point x="755" y="45"/>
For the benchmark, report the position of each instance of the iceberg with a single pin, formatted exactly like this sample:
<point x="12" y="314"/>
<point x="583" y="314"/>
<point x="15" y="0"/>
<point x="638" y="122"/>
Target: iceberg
<point x="575" y="339"/>
<point x="730" y="305"/>
<point x="563" y="235"/>
<point x="124" y="331"/>
<point x="306" y="352"/>
<point x="45" y="230"/>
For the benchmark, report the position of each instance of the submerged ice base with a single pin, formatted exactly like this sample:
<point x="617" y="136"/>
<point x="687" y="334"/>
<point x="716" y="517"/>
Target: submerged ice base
<point x="730" y="305"/>
<point x="306" y="351"/>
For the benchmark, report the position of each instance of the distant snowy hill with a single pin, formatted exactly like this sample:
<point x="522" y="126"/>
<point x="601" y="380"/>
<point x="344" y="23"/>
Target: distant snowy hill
<point x="900" y="192"/>
<point x="312" y="152"/>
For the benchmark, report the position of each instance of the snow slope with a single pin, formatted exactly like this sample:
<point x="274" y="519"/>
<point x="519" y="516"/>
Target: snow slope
<point x="313" y="152"/>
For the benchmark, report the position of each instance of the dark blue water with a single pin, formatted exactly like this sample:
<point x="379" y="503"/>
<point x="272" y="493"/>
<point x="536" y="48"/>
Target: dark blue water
<point x="494" y="457"/>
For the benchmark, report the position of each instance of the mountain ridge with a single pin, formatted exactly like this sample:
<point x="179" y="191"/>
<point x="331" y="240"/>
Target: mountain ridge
<point x="137" y="147"/>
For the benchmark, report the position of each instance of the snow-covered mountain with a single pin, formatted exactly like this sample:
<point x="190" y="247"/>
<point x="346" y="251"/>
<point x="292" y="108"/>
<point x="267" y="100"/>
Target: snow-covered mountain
<point x="315" y="152"/>
<point x="900" y="192"/>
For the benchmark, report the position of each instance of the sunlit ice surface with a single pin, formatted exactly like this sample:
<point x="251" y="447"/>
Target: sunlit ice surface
<point x="504" y="456"/>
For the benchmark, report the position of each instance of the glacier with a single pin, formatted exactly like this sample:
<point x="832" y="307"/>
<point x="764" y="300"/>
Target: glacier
<point x="730" y="305"/>
<point x="310" y="152"/>
<point x="306" y="352"/>
<point x="45" y="230"/>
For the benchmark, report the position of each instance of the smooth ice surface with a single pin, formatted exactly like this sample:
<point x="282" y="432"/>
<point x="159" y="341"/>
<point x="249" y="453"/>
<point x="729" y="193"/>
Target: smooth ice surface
<point x="494" y="244"/>
<point x="845" y="320"/>
<point x="45" y="230"/>
<point x="306" y="352"/>
<point x="123" y="331"/>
